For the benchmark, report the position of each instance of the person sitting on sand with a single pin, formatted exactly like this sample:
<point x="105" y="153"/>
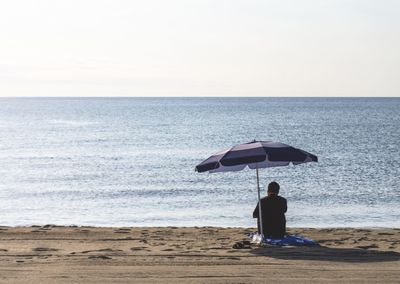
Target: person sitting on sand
<point x="273" y="213"/>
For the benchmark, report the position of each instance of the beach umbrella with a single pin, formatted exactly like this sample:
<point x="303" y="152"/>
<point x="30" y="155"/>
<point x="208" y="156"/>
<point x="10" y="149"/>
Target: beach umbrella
<point x="255" y="155"/>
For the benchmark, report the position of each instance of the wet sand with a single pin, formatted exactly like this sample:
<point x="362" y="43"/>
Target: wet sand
<point x="53" y="254"/>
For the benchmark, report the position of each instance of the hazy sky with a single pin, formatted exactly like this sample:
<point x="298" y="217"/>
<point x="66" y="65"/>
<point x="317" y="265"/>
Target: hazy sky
<point x="200" y="48"/>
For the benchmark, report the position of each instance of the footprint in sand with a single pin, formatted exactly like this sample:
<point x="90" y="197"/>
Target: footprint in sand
<point x="368" y="247"/>
<point x="110" y="250"/>
<point x="217" y="248"/>
<point x="385" y="234"/>
<point x="45" y="228"/>
<point x="102" y="250"/>
<point x="123" y="231"/>
<point x="44" y="249"/>
<point x="137" y="248"/>
<point x="99" y="257"/>
<point x="44" y="256"/>
<point x="327" y="230"/>
<point x="230" y="257"/>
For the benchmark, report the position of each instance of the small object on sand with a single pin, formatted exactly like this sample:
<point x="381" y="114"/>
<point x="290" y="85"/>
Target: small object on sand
<point x="255" y="238"/>
<point x="242" y="245"/>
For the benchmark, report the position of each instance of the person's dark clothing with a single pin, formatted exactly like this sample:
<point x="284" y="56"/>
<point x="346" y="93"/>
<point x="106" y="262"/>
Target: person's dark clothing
<point x="273" y="216"/>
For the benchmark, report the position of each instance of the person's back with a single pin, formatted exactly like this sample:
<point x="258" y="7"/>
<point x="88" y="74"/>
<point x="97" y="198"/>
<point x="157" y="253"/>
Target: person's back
<point x="273" y="213"/>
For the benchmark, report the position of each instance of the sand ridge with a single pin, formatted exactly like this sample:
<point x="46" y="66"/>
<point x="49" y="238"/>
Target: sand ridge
<point x="57" y="254"/>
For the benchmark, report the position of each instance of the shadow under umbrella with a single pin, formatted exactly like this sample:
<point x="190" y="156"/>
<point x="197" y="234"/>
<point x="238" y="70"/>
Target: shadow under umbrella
<point x="322" y="253"/>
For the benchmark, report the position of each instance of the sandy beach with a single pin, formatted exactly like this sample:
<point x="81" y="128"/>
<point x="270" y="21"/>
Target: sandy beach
<point x="53" y="254"/>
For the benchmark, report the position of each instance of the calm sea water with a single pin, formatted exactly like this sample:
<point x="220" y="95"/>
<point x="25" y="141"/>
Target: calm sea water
<point x="113" y="162"/>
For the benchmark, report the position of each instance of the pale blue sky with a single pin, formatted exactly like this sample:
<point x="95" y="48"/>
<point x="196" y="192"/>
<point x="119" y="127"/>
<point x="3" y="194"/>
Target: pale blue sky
<point x="200" y="48"/>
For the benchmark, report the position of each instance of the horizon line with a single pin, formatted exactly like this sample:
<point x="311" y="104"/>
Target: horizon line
<point x="126" y="97"/>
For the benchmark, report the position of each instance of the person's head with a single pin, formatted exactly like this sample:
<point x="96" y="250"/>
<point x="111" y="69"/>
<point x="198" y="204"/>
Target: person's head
<point x="273" y="188"/>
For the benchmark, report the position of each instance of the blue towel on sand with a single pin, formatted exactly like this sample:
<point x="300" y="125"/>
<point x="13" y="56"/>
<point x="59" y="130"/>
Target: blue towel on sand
<point x="288" y="240"/>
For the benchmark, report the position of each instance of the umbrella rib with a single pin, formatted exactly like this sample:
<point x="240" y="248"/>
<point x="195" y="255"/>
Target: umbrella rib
<point x="219" y="161"/>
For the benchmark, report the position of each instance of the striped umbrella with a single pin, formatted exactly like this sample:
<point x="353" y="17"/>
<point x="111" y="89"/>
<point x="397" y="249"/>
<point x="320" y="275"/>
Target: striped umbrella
<point x="255" y="155"/>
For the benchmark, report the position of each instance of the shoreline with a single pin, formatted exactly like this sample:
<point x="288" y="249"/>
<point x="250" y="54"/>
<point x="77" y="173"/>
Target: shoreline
<point x="197" y="227"/>
<point x="84" y="254"/>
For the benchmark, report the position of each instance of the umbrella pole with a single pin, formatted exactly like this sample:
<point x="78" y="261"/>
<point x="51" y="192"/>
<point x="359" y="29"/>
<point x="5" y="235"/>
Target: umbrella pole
<point x="259" y="204"/>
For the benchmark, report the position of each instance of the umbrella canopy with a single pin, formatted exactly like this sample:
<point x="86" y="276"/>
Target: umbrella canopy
<point x="255" y="155"/>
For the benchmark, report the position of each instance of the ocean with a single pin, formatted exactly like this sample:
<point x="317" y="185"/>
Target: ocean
<point x="130" y="161"/>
